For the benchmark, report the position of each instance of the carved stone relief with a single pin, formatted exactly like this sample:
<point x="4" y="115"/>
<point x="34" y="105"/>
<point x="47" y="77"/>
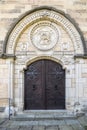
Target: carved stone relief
<point x="24" y="46"/>
<point x="67" y="60"/>
<point x="44" y="35"/>
<point x="65" y="46"/>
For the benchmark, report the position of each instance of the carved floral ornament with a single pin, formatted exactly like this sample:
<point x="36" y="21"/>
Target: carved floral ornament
<point x="44" y="34"/>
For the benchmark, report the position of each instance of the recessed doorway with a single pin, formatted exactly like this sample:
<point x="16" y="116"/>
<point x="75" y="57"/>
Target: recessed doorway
<point x="44" y="86"/>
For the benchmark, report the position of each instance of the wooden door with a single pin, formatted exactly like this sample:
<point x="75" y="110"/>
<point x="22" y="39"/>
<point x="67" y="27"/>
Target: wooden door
<point x="44" y="86"/>
<point x="55" y="86"/>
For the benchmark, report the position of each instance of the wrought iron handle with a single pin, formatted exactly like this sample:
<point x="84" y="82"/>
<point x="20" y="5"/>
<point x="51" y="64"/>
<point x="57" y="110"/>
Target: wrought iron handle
<point x="34" y="87"/>
<point x="56" y="87"/>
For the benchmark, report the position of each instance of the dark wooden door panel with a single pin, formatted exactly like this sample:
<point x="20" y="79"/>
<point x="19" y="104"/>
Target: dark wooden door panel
<point x="44" y="85"/>
<point x="55" y="86"/>
<point x="34" y="85"/>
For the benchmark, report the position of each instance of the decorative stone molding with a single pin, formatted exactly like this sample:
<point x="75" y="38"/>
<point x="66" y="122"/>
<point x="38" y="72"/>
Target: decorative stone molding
<point x="29" y="61"/>
<point x="67" y="60"/>
<point x="51" y="16"/>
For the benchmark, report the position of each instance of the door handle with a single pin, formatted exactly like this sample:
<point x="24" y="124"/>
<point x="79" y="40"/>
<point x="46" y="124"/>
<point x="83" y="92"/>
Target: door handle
<point x="56" y="87"/>
<point x="34" y="87"/>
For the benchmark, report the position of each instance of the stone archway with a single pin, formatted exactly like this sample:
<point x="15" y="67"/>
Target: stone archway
<point x="44" y="32"/>
<point x="51" y="15"/>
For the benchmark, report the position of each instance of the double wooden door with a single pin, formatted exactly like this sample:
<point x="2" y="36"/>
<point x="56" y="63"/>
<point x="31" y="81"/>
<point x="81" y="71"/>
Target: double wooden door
<point x="44" y="86"/>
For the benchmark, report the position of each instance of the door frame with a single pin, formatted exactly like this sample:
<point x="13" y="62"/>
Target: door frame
<point x="20" y="98"/>
<point x="42" y="63"/>
<point x="37" y="59"/>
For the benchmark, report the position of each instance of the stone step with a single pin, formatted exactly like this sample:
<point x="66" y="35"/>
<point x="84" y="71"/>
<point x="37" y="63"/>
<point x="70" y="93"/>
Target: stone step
<point x="22" y="118"/>
<point x="61" y="124"/>
<point x="43" y="123"/>
<point x="47" y="111"/>
<point x="60" y="113"/>
<point x="43" y="115"/>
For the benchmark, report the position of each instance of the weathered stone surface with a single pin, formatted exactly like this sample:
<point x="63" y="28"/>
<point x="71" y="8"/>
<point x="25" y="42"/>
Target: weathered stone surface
<point x="25" y="128"/>
<point x="83" y="120"/>
<point x="77" y="127"/>
<point x="52" y="128"/>
<point x="38" y="127"/>
<point x="65" y="127"/>
<point x="28" y="125"/>
<point x="72" y="121"/>
<point x="3" y="128"/>
<point x="14" y="129"/>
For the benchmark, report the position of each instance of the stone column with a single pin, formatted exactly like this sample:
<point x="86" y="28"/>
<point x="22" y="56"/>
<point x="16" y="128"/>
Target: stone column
<point x="11" y="80"/>
<point x="77" y="82"/>
<point x="21" y="90"/>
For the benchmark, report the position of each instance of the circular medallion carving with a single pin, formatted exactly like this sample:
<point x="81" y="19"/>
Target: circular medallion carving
<point x="44" y="36"/>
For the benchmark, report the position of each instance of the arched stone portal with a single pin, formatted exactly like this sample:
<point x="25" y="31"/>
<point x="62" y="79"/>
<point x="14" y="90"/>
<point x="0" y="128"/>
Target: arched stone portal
<point x="44" y="33"/>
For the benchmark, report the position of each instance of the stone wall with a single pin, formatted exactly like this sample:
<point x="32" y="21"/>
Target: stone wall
<point x="4" y="82"/>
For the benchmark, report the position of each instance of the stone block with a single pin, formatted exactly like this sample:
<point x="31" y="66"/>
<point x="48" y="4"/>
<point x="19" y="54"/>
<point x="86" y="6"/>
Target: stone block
<point x="1" y="128"/>
<point x="73" y="85"/>
<point x="71" y="122"/>
<point x="26" y="128"/>
<point x="77" y="127"/>
<point x="68" y="82"/>
<point x="51" y="127"/>
<point x="38" y="127"/>
<point x="70" y="92"/>
<point x="84" y="75"/>
<point x="65" y="127"/>
<point x="83" y="120"/>
<point x="85" y="92"/>
<point x="2" y="61"/>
